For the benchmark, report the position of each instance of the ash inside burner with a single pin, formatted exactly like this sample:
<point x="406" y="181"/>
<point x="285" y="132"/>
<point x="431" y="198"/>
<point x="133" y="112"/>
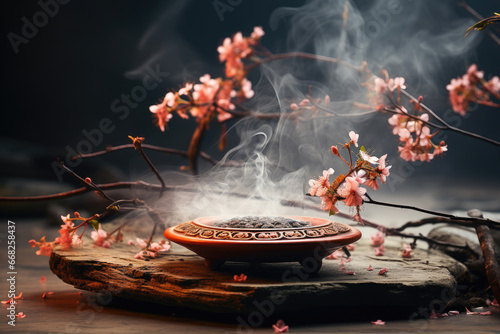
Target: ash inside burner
<point x="251" y="222"/>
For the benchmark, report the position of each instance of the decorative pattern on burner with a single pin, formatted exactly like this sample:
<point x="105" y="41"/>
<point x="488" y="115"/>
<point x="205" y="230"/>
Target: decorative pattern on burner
<point x="192" y="230"/>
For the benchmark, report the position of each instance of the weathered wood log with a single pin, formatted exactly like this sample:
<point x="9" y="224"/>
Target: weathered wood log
<point x="180" y="279"/>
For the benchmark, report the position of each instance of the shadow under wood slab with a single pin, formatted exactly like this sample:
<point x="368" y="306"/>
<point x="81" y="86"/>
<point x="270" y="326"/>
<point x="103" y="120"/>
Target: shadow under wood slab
<point x="180" y="279"/>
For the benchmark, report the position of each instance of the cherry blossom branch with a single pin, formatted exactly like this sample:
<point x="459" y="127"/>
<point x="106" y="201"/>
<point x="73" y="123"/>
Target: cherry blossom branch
<point x="448" y="126"/>
<point x="137" y="141"/>
<point x="387" y="230"/>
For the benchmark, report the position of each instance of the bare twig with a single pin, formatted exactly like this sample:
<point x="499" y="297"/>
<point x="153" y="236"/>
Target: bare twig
<point x="442" y="220"/>
<point x="108" y="149"/>
<point x="76" y="192"/>
<point x="431" y="212"/>
<point x="137" y="141"/>
<point x="89" y="184"/>
<point x="489" y="254"/>
<point x="479" y="17"/>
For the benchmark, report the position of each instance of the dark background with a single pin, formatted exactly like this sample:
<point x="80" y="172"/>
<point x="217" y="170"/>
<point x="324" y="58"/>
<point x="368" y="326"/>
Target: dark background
<point x="64" y="80"/>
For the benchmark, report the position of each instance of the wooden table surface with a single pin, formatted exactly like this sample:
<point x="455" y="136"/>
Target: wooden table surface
<point x="69" y="311"/>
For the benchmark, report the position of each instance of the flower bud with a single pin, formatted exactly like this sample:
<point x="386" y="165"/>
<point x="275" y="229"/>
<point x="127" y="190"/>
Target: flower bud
<point x="335" y="150"/>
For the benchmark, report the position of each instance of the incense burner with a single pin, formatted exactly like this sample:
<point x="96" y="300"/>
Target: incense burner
<point x="253" y="239"/>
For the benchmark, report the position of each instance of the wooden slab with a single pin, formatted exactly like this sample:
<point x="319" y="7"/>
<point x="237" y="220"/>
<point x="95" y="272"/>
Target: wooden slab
<point x="180" y="279"/>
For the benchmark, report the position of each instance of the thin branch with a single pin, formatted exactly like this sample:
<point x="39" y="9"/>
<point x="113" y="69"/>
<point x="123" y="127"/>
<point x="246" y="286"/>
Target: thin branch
<point x="387" y="230"/>
<point x="441" y="220"/>
<point x="431" y="212"/>
<point x="76" y="192"/>
<point x="479" y="17"/>
<point x="137" y="141"/>
<point x="146" y="146"/>
<point x="88" y="184"/>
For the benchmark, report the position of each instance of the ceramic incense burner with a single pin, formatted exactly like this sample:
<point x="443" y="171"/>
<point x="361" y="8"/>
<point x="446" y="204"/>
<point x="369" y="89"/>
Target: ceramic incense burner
<point x="306" y="240"/>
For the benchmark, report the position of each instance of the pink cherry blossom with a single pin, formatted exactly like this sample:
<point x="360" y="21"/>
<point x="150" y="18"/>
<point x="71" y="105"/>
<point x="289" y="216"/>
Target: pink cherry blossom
<point x="141" y="243"/>
<point x="407" y="251"/>
<point x="67" y="222"/>
<point x="473" y="72"/>
<point x="280" y="327"/>
<point x="257" y="33"/>
<point x="246" y="88"/>
<point x="396" y="83"/>
<point x="328" y="204"/>
<point x="366" y="157"/>
<point x="139" y="256"/>
<point x="320" y="187"/>
<point x="380" y="85"/>
<point x="352" y="192"/>
<point x="359" y="176"/>
<point x="101" y="238"/>
<point x="354" y="138"/>
<point x="335" y="255"/>
<point x="45" y="249"/>
<point x="186" y="89"/>
<point x="494" y="84"/>
<point x="161" y="246"/>
<point x="379" y="251"/>
<point x="377" y="239"/>
<point x="383" y="169"/>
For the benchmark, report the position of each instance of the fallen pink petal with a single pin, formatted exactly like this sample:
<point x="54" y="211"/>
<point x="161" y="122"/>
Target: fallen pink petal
<point x="378" y="322"/>
<point x="240" y="278"/>
<point x="20" y="315"/>
<point x="485" y="313"/>
<point x="433" y="315"/>
<point x="10" y="301"/>
<point x="370" y="268"/>
<point x="280" y="327"/>
<point x="350" y="272"/>
<point x="383" y="271"/>
<point x="42" y="279"/>
<point x="453" y="313"/>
